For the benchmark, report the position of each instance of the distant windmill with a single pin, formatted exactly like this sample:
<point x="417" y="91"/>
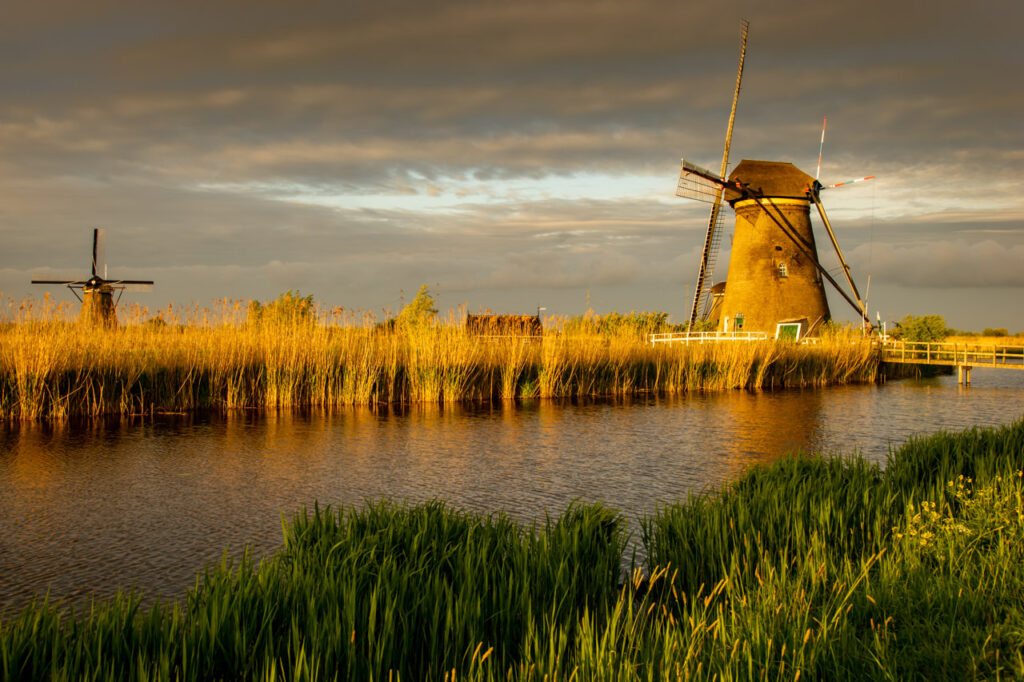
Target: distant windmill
<point x="775" y="277"/>
<point x="98" y="304"/>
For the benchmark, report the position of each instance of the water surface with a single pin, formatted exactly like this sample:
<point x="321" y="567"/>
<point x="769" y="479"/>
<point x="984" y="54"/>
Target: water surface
<point x="87" y="509"/>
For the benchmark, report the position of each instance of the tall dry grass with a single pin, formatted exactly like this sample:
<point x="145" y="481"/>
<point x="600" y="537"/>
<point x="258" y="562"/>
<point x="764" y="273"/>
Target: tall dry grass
<point x="190" y="358"/>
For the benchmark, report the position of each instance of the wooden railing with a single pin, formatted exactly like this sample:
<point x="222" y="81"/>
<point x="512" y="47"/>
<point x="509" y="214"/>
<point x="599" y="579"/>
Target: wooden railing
<point x="953" y="354"/>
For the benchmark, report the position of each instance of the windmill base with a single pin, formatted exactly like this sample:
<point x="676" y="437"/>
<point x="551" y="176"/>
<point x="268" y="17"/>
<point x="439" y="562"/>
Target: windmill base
<point x="98" y="309"/>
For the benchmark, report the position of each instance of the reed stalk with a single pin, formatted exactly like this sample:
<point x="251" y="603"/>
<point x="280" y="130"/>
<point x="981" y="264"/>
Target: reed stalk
<point x="192" y="358"/>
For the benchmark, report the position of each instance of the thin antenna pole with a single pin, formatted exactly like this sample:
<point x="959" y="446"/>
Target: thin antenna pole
<point x="716" y="207"/>
<point x="867" y="294"/>
<point x="821" y="147"/>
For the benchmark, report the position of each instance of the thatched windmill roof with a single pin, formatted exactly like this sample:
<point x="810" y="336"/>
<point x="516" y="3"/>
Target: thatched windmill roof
<point x="773" y="178"/>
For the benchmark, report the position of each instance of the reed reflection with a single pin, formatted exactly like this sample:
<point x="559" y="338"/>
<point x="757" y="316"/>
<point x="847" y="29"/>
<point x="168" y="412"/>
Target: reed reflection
<point x="765" y="426"/>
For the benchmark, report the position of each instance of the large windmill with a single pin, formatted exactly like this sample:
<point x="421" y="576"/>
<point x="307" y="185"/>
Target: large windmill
<point x="775" y="276"/>
<point x="98" y="304"/>
<point x="775" y="281"/>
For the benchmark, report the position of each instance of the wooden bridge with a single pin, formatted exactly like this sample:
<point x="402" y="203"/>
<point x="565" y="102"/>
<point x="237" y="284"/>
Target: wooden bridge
<point x="963" y="356"/>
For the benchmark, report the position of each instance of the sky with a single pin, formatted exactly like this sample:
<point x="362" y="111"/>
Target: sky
<point x="510" y="155"/>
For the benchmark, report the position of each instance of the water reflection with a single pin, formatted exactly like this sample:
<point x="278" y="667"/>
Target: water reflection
<point x="85" y="509"/>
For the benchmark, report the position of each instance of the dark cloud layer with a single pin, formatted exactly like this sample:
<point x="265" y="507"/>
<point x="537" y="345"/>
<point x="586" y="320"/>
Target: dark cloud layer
<point x="238" y="149"/>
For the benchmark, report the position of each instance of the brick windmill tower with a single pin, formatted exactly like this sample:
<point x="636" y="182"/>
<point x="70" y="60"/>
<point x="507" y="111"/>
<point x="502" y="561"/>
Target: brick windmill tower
<point x="773" y="274"/>
<point x="776" y="282"/>
<point x="98" y="303"/>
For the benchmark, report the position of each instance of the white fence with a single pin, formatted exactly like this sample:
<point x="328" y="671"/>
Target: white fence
<point x="705" y="337"/>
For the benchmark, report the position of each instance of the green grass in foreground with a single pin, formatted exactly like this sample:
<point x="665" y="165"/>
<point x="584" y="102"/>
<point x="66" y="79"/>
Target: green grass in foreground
<point x="815" y="568"/>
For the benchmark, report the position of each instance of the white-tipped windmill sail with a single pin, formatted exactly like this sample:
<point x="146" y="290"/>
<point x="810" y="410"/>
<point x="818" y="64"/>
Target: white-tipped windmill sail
<point x="713" y="237"/>
<point x="814" y="192"/>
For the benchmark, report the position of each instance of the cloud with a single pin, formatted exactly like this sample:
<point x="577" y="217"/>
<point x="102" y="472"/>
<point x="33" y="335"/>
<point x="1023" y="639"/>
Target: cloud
<point x="944" y="264"/>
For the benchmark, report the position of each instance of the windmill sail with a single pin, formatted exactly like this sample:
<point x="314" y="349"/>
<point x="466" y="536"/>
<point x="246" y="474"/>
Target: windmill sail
<point x="711" y="242"/>
<point x="99" y="248"/>
<point x="98" y="280"/>
<point x="699" y="183"/>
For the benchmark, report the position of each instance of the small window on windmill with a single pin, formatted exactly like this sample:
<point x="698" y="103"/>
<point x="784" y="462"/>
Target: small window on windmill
<point x="739" y="321"/>
<point x="783" y="270"/>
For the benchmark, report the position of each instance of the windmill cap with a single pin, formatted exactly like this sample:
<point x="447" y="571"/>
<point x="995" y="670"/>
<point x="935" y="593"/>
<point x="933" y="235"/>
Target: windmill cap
<point x="773" y="178"/>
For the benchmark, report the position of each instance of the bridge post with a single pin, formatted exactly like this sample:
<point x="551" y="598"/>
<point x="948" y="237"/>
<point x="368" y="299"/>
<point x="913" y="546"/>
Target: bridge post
<point x="963" y="374"/>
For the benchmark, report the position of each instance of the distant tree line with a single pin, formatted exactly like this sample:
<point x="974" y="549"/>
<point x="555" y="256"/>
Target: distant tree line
<point x="933" y="328"/>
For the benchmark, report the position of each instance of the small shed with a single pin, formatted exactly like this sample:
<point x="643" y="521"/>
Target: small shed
<point x="504" y="325"/>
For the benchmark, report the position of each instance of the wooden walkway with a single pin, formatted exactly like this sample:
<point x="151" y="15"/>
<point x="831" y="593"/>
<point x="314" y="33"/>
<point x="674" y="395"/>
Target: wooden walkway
<point x="963" y="356"/>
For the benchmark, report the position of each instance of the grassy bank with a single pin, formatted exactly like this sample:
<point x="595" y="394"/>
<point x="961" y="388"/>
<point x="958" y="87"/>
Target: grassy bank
<point x="813" y="568"/>
<point x="53" y="369"/>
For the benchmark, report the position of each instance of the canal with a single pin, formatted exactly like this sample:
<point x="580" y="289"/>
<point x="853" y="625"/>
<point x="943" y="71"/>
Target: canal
<point x="86" y="509"/>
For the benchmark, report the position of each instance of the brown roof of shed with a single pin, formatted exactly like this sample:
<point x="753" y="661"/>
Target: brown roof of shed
<point x="773" y="178"/>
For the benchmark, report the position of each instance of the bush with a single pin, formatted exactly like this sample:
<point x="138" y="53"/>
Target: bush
<point x="922" y="328"/>
<point x="704" y="326"/>
<point x="998" y="331"/>
<point x="290" y="307"/>
<point x="421" y="309"/>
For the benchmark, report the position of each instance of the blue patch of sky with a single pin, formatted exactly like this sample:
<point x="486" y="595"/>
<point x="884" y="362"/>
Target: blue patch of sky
<point x="452" y="194"/>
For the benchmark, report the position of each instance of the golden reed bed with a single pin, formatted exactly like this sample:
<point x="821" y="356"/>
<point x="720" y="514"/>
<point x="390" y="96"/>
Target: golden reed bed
<point x="198" y="358"/>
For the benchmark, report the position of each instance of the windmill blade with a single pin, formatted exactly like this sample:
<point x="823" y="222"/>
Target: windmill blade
<point x="699" y="183"/>
<point x="132" y="284"/>
<point x="65" y="282"/>
<point x="699" y="180"/>
<point x="821" y="147"/>
<point x="847" y="182"/>
<point x="842" y="261"/>
<point x="778" y="217"/>
<point x="99" y="248"/>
